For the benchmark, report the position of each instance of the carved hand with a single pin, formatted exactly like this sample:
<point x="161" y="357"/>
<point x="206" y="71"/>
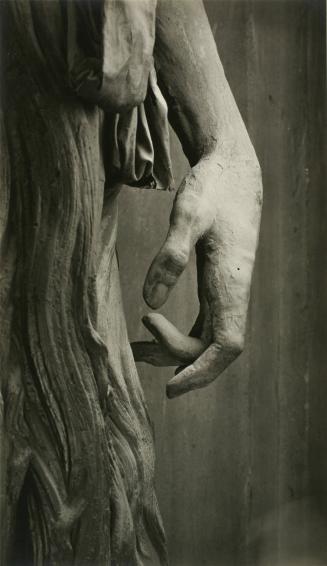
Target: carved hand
<point x="217" y="209"/>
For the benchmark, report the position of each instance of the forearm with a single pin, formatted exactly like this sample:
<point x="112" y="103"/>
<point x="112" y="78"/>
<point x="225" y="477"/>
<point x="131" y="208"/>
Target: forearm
<point x="202" y="109"/>
<point x="217" y="206"/>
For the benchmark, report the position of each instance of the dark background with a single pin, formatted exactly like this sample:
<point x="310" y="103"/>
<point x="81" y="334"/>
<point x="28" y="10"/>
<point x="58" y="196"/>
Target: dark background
<point x="242" y="465"/>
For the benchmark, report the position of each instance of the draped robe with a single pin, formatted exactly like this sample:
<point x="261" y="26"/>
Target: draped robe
<point x="81" y="116"/>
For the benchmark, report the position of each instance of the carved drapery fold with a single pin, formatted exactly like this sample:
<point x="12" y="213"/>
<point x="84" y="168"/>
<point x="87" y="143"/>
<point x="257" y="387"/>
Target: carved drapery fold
<point x="77" y="442"/>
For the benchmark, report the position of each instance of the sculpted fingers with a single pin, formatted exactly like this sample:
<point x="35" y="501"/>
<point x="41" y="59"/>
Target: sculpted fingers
<point x="224" y="316"/>
<point x="203" y="371"/>
<point x="190" y="217"/>
<point x="152" y="353"/>
<point x="171" y="346"/>
<point x="184" y="348"/>
<point x="165" y="271"/>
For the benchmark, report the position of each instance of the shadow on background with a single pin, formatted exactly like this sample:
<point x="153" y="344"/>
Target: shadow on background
<point x="242" y="466"/>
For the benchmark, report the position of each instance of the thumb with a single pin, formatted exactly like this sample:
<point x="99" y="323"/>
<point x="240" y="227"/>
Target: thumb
<point x="183" y="348"/>
<point x="171" y="347"/>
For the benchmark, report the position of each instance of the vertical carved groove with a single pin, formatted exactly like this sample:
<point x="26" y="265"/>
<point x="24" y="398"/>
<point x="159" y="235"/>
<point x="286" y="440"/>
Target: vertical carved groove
<point x="86" y="441"/>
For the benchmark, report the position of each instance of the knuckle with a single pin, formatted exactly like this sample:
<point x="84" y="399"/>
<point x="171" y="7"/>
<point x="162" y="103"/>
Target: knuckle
<point x="187" y="211"/>
<point x="233" y="344"/>
<point x="176" y="258"/>
<point x="210" y="244"/>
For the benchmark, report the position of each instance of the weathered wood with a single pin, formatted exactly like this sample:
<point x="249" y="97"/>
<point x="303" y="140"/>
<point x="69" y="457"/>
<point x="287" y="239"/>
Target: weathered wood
<point x="76" y="443"/>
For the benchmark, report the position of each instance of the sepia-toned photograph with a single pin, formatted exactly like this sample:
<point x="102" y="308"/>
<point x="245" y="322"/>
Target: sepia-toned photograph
<point x="163" y="283"/>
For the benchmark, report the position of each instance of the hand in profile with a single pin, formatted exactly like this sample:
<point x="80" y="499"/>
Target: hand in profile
<point x="217" y="209"/>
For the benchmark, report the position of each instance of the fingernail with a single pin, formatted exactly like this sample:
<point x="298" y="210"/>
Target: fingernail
<point x="158" y="294"/>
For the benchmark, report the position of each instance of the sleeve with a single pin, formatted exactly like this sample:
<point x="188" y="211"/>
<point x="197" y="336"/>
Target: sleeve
<point x="138" y="144"/>
<point x="110" y="63"/>
<point x="110" y="50"/>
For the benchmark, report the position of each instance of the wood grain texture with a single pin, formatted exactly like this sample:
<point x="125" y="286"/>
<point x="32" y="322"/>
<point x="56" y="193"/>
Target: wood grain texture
<point x="77" y="457"/>
<point x="239" y="462"/>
